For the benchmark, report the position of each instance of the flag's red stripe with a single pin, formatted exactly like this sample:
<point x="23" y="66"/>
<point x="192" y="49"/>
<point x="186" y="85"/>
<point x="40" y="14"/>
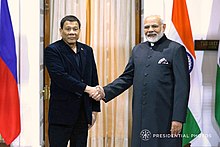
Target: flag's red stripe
<point x="9" y="105"/>
<point x="180" y="19"/>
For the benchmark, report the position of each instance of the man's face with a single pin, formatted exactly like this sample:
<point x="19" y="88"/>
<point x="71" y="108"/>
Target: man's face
<point x="70" y="32"/>
<point x="153" y="28"/>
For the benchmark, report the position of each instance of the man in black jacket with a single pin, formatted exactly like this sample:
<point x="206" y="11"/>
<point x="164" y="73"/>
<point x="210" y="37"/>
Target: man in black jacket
<point x="72" y="70"/>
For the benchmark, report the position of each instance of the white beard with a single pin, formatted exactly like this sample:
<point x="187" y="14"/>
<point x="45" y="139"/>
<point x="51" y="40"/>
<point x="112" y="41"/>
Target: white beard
<point x="156" y="38"/>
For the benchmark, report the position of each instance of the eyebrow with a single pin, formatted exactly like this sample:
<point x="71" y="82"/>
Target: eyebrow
<point x="152" y="25"/>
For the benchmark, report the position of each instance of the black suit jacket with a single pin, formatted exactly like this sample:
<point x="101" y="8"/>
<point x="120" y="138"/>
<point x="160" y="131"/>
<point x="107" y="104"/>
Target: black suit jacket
<point x="68" y="82"/>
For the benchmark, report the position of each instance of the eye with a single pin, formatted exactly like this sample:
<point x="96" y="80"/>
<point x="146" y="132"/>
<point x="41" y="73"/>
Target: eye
<point x="155" y="26"/>
<point x="68" y="29"/>
<point x="75" y="29"/>
<point x="146" y="27"/>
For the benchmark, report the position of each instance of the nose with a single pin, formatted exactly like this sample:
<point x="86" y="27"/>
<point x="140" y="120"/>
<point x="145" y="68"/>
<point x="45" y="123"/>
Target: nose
<point x="72" y="31"/>
<point x="151" y="29"/>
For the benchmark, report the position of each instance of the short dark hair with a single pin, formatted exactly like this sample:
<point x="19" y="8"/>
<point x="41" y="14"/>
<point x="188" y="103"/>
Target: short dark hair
<point x="69" y="18"/>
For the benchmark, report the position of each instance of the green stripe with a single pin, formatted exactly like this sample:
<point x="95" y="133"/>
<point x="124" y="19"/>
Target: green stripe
<point x="217" y="97"/>
<point x="190" y="129"/>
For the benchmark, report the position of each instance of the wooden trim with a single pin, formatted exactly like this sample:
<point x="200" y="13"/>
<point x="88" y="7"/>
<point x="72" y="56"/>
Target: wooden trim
<point x="46" y="75"/>
<point x="4" y="145"/>
<point x="46" y="23"/>
<point x="88" y="21"/>
<point x="137" y="21"/>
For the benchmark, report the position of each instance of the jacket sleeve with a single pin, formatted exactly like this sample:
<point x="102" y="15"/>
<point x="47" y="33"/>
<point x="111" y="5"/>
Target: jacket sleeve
<point x="95" y="104"/>
<point x="182" y="84"/>
<point x="122" y="83"/>
<point x="55" y="67"/>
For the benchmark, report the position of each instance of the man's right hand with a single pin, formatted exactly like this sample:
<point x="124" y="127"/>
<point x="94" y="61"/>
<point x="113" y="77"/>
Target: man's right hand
<point x="97" y="93"/>
<point x="101" y="92"/>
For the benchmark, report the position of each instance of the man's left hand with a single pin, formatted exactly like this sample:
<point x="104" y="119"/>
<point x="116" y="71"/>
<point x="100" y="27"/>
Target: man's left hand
<point x="94" y="115"/>
<point x="176" y="127"/>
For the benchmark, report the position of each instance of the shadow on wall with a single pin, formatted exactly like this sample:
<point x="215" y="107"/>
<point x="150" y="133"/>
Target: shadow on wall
<point x="24" y="61"/>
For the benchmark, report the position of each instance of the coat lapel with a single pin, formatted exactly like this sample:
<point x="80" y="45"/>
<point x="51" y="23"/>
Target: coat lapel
<point x="82" y="56"/>
<point x="67" y="52"/>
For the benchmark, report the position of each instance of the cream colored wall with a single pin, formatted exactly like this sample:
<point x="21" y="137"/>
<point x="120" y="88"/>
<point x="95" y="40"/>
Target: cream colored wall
<point x="26" y="21"/>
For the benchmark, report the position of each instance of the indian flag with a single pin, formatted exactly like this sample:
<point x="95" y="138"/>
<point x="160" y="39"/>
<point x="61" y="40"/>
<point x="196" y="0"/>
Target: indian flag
<point x="180" y="31"/>
<point x="217" y="96"/>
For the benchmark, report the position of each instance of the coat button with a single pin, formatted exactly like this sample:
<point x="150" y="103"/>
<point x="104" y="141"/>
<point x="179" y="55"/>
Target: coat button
<point x="144" y="102"/>
<point x="146" y="74"/>
<point x="82" y="80"/>
<point x="145" y="93"/>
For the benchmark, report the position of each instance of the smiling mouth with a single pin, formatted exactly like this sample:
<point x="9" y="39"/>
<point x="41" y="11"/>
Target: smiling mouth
<point x="151" y="35"/>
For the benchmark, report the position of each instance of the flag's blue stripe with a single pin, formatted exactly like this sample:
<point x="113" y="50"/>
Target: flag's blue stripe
<point x="7" y="40"/>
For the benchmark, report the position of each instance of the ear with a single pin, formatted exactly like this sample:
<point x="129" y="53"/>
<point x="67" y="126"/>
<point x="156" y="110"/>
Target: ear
<point x="164" y="27"/>
<point x="61" y="31"/>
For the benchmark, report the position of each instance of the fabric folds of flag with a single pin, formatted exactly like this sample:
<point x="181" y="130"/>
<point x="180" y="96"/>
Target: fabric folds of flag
<point x="9" y="96"/>
<point x="180" y="31"/>
<point x="217" y="96"/>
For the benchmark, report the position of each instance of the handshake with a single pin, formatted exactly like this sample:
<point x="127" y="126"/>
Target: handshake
<point x="97" y="93"/>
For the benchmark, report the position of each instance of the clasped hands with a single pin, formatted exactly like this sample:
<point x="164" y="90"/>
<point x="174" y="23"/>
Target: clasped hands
<point x="97" y="93"/>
